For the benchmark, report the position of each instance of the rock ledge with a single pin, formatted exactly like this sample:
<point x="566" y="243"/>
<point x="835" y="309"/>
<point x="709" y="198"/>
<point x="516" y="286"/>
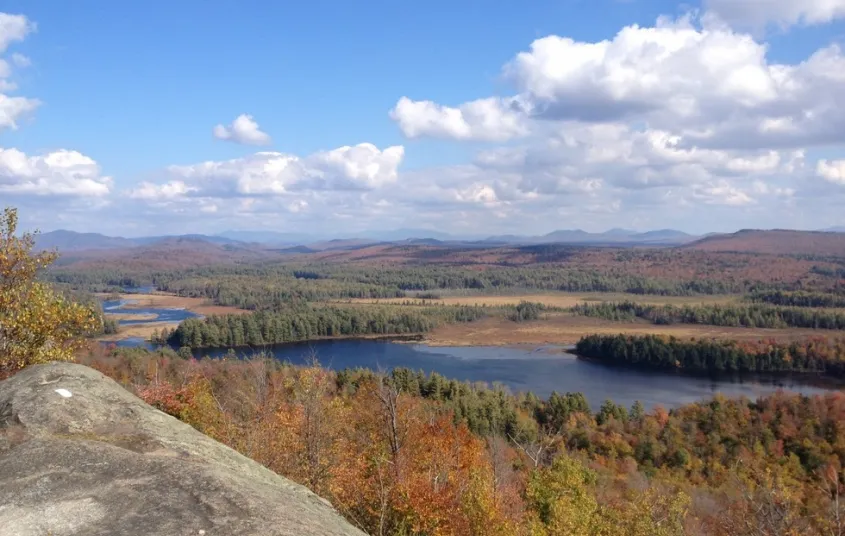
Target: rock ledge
<point x="81" y="455"/>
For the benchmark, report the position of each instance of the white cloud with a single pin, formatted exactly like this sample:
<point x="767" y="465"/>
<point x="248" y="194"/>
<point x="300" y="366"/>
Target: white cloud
<point x="159" y="192"/>
<point x="13" y="28"/>
<point x="359" y="167"/>
<point x="490" y="119"/>
<point x="758" y="13"/>
<point x="243" y="130"/>
<point x="59" y="173"/>
<point x="692" y="77"/>
<point x="722" y="193"/>
<point x="677" y="75"/>
<point x="13" y="108"/>
<point x="832" y="171"/>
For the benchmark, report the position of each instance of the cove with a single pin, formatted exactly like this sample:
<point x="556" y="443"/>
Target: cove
<point x="540" y="370"/>
<point x="111" y="307"/>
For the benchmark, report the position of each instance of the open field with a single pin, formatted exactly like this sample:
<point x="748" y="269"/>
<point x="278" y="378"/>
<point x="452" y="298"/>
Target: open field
<point x="568" y="329"/>
<point x="147" y="317"/>
<point x="143" y="331"/>
<point x="555" y="299"/>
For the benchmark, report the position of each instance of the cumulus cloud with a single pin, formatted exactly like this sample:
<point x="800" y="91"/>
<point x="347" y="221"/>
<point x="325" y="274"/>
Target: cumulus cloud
<point x="722" y="193"/>
<point x="244" y="129"/>
<point x="673" y="67"/>
<point x="693" y="77"/>
<point x="758" y="13"/>
<point x="58" y="173"/>
<point x="490" y="119"/>
<point x="832" y="171"/>
<point x="157" y="192"/>
<point x="349" y="168"/>
<point x="13" y="28"/>
<point x="13" y="108"/>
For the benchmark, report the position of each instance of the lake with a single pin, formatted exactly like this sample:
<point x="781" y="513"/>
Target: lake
<point x="537" y="369"/>
<point x="540" y="370"/>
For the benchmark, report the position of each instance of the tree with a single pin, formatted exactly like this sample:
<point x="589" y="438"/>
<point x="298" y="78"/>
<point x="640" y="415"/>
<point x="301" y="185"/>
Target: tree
<point x="37" y="325"/>
<point x="561" y="499"/>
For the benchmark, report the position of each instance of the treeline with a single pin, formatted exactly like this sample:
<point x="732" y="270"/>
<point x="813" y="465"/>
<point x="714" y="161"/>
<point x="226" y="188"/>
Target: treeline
<point x="748" y="316"/>
<point x="822" y="355"/>
<point x="306" y="323"/>
<point x="799" y="299"/>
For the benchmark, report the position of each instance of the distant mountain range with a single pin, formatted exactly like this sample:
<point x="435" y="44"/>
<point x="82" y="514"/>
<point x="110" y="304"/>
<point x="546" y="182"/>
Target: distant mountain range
<point x="73" y="241"/>
<point x="666" y="237"/>
<point x="302" y="242"/>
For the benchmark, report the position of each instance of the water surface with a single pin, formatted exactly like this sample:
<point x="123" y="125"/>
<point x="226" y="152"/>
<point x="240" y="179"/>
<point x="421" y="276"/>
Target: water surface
<point x="540" y="370"/>
<point x="168" y="314"/>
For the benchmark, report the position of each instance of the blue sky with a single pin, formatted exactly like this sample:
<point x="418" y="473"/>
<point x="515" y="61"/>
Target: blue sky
<point x="131" y="90"/>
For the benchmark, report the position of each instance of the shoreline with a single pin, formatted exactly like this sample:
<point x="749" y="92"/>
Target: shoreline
<point x="774" y="377"/>
<point x="556" y="329"/>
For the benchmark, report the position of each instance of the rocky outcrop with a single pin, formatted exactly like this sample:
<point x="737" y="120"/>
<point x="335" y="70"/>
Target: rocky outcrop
<point x="81" y="455"/>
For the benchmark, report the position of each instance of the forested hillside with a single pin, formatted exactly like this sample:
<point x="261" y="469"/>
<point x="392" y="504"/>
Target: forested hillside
<point x="421" y="454"/>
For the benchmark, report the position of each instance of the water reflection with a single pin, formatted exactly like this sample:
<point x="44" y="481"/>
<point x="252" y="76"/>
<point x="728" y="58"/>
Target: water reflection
<point x="541" y="370"/>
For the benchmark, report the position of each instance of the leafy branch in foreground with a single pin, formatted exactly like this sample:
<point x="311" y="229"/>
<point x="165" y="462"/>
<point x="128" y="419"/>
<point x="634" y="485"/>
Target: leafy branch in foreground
<point x="37" y="324"/>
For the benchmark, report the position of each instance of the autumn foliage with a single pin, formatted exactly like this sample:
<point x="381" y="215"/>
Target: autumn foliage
<point x="37" y="325"/>
<point x="399" y="459"/>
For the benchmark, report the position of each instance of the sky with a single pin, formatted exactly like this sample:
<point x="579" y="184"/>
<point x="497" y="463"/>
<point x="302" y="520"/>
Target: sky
<point x="469" y="117"/>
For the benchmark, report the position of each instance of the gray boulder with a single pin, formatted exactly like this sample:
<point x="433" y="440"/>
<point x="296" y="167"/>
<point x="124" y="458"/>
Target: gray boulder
<point x="81" y="455"/>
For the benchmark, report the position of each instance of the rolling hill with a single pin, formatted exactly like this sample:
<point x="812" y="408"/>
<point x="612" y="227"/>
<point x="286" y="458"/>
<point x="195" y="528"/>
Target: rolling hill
<point x="778" y="241"/>
<point x="73" y="241"/>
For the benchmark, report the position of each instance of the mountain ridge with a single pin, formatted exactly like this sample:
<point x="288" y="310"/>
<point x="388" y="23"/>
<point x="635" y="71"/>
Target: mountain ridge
<point x="71" y="241"/>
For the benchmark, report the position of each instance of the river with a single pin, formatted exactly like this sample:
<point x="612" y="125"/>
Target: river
<point x="171" y="314"/>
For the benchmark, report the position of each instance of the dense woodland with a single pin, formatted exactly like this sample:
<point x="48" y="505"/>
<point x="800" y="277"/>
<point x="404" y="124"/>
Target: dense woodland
<point x="308" y="323"/>
<point x="819" y="355"/>
<point x="748" y="316"/>
<point x="267" y="285"/>
<point x="799" y="299"/>
<point x="423" y="455"/>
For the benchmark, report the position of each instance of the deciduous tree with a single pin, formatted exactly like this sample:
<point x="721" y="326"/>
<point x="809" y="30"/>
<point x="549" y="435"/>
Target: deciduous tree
<point x="37" y="324"/>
